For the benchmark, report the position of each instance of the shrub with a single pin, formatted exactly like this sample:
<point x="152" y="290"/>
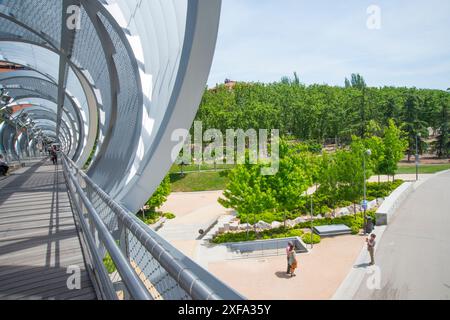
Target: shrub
<point x="169" y="216"/>
<point x="355" y="229"/>
<point x="109" y="264"/>
<point x="149" y="217"/>
<point x="351" y="221"/>
<point x="382" y="190"/>
<point x="307" y="238"/>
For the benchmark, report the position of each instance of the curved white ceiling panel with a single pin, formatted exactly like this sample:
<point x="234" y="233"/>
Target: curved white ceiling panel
<point x="124" y="77"/>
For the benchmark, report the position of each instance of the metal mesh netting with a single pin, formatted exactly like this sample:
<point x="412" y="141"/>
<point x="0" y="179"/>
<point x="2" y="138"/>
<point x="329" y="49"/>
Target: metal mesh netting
<point x="159" y="283"/>
<point x="42" y="16"/>
<point x="11" y="29"/>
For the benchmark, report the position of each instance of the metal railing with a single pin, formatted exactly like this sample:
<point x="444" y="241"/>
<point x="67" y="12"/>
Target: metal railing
<point x="127" y="259"/>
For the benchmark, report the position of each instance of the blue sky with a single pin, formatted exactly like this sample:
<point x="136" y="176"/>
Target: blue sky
<point x="326" y="41"/>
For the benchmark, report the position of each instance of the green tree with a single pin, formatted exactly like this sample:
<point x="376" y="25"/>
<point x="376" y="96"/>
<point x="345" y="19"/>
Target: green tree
<point x="246" y="192"/>
<point x="350" y="171"/>
<point x="394" y="149"/>
<point x="328" y="179"/>
<point x="442" y="145"/>
<point x="413" y="125"/>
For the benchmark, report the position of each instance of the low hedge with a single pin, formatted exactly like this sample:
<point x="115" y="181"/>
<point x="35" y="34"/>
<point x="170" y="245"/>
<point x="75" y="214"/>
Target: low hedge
<point x="252" y="236"/>
<point x="355" y="222"/>
<point x="383" y="189"/>
<point x="307" y="238"/>
<point x="268" y="217"/>
<point x="374" y="191"/>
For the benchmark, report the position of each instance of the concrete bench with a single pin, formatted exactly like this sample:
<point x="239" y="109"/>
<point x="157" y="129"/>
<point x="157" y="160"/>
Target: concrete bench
<point x="332" y="230"/>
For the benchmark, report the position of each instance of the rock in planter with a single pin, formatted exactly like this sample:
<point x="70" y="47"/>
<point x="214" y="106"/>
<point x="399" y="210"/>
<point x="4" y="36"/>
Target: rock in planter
<point x="290" y="223"/>
<point x="276" y="225"/>
<point x="299" y="220"/>
<point x="372" y="204"/>
<point x="245" y="227"/>
<point x="263" y="225"/>
<point x="343" y="212"/>
<point x="234" y="226"/>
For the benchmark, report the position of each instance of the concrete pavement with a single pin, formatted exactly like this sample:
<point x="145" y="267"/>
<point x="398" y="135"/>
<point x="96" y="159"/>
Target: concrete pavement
<point x="413" y="257"/>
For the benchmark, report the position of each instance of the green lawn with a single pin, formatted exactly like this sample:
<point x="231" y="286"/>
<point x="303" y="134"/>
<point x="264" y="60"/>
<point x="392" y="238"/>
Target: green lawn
<point x="204" y="167"/>
<point x="211" y="181"/>
<point x="199" y="181"/>
<point x="423" y="169"/>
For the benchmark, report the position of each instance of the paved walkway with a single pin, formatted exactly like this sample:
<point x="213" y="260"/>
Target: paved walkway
<point x="414" y="254"/>
<point x="320" y="273"/>
<point x="194" y="211"/>
<point x="38" y="237"/>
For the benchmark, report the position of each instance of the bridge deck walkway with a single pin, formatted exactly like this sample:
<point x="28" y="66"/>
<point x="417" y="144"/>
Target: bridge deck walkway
<point x="38" y="238"/>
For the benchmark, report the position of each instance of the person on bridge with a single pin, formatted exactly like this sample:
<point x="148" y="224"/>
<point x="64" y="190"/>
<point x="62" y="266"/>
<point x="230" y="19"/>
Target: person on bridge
<point x="4" y="168"/>
<point x="54" y="156"/>
<point x="371" y="243"/>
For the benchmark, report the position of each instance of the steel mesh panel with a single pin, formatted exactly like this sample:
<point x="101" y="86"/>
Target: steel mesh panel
<point x="123" y="141"/>
<point x="106" y="214"/>
<point x="88" y="54"/>
<point x="159" y="283"/>
<point x="12" y="30"/>
<point x="42" y="16"/>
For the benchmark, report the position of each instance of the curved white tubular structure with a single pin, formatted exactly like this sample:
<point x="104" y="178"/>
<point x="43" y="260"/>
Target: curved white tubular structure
<point x="119" y="76"/>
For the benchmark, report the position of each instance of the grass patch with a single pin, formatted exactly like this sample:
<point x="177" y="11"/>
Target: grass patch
<point x="204" y="167"/>
<point x="424" y="169"/>
<point x="199" y="181"/>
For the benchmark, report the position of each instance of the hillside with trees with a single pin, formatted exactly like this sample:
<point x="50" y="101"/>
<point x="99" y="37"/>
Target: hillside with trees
<point x="331" y="115"/>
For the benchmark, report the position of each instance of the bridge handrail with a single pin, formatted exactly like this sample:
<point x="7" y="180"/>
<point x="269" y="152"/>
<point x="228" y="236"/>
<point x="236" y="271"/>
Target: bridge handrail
<point x="183" y="274"/>
<point x="130" y="278"/>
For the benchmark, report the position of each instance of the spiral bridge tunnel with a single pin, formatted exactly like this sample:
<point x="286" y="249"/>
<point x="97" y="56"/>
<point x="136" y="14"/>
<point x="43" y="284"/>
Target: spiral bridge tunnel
<point x="106" y="82"/>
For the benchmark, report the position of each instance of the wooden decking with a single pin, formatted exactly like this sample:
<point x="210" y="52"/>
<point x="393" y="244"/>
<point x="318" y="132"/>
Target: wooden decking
<point x="38" y="237"/>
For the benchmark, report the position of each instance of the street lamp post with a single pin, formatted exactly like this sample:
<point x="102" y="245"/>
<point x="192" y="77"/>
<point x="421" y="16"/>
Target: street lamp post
<point x="366" y="153"/>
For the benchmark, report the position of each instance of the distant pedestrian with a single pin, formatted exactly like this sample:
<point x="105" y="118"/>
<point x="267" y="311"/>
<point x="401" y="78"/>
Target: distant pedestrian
<point x="4" y="168"/>
<point x="292" y="260"/>
<point x="288" y="249"/>
<point x="54" y="156"/>
<point x="371" y="243"/>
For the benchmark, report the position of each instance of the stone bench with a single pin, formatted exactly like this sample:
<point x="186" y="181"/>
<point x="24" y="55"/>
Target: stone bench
<point x="332" y="230"/>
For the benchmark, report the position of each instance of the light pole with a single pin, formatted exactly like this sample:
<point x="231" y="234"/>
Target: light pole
<point x="366" y="153"/>
<point x="417" y="155"/>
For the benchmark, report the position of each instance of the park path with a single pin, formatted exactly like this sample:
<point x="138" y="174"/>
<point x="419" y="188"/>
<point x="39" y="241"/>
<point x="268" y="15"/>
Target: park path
<point x="414" y="253"/>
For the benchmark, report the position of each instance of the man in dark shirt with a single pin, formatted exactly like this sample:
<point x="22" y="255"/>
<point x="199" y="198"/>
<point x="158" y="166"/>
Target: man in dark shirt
<point x="4" y="168"/>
